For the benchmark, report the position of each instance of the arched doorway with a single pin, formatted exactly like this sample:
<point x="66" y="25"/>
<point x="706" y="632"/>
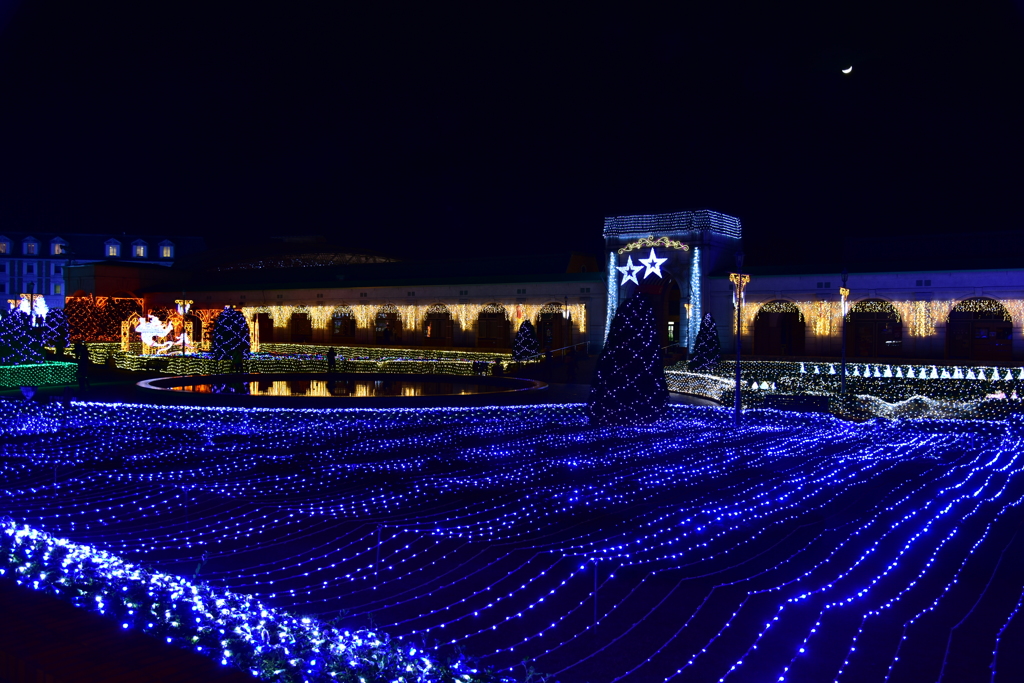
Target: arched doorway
<point x="875" y="330"/>
<point x="551" y="327"/>
<point x="388" y="328"/>
<point x="343" y="325"/>
<point x="301" y="328"/>
<point x="779" y="330"/>
<point x="979" y="329"/>
<point x="437" y="326"/>
<point x="265" y="328"/>
<point x="666" y="297"/>
<point x="493" y="330"/>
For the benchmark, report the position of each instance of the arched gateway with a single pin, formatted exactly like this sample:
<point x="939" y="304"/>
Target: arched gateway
<point x="668" y="257"/>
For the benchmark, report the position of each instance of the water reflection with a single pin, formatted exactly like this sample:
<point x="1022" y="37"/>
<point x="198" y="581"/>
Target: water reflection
<point x="339" y="388"/>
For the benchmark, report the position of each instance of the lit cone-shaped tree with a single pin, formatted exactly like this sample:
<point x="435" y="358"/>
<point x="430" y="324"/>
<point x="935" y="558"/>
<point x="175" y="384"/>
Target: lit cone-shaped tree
<point x="706" y="350"/>
<point x="19" y="343"/>
<point x="525" y="345"/>
<point x="56" y="330"/>
<point x="230" y="335"/>
<point x="629" y="381"/>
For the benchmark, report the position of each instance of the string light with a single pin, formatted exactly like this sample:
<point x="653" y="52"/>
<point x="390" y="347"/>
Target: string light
<point x="411" y="316"/>
<point x="652" y="241"/>
<point x="629" y="382"/>
<point x="918" y="318"/>
<point x="791" y="546"/>
<point x="879" y="389"/>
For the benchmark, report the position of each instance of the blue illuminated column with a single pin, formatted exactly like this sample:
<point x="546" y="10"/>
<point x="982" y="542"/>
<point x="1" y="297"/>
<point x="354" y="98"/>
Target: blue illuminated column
<point x="696" y="313"/>
<point x="613" y="293"/>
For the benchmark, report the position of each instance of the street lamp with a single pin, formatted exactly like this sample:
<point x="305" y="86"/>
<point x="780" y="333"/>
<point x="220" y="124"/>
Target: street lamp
<point x="32" y="302"/>
<point x="567" y="322"/>
<point x="739" y="281"/>
<point x="183" y="306"/>
<point x="844" y="293"/>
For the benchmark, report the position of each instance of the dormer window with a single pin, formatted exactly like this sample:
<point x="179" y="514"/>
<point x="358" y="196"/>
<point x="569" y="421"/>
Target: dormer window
<point x="30" y="247"/>
<point x="58" y="247"/>
<point x="112" y="249"/>
<point x="139" y="249"/>
<point x="5" y="246"/>
<point x="166" y="249"/>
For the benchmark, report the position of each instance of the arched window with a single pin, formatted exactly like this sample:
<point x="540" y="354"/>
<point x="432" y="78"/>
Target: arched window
<point x="492" y="327"/>
<point x="979" y="329"/>
<point x="437" y="326"/>
<point x="779" y="329"/>
<point x="343" y="324"/>
<point x="875" y="330"/>
<point x="388" y="329"/>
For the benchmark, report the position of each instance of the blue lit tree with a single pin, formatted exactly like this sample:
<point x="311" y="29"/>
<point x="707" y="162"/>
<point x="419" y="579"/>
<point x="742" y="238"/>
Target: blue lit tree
<point x="707" y="350"/>
<point x="230" y="335"/>
<point x="526" y="344"/>
<point x="19" y="342"/>
<point x="629" y="380"/>
<point x="56" y="331"/>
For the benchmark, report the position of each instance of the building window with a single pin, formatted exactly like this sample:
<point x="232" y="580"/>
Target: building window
<point x="463" y="292"/>
<point x="280" y="296"/>
<point x="57" y="270"/>
<point x="3" y="247"/>
<point x="113" y="249"/>
<point x="584" y="290"/>
<point x="57" y="248"/>
<point x="166" y="251"/>
<point x="31" y="248"/>
<point x="520" y="291"/>
<point x="139" y="249"/>
<point x="410" y="293"/>
<point x="3" y="288"/>
<point x="319" y="296"/>
<point x="362" y="294"/>
<point x="3" y="267"/>
<point x="30" y="269"/>
<point x="56" y="289"/>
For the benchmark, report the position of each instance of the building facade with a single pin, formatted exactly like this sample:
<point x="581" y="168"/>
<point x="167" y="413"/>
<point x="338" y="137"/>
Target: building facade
<point x="36" y="264"/>
<point x="953" y="315"/>
<point x="467" y="304"/>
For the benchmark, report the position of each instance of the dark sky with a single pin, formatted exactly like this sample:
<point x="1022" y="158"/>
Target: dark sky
<point x="431" y="128"/>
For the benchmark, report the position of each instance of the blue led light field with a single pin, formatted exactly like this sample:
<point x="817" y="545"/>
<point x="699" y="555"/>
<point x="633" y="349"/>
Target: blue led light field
<point x="799" y="548"/>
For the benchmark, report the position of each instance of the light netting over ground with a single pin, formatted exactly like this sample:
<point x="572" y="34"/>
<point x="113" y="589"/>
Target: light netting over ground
<point x="798" y="548"/>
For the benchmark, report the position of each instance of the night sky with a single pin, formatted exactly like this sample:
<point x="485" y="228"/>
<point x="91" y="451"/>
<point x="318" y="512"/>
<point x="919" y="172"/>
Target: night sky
<point x="429" y="129"/>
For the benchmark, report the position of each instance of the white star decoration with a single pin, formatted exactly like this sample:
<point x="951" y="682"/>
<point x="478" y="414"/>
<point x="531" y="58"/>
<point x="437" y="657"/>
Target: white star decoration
<point x="653" y="264"/>
<point x="629" y="271"/>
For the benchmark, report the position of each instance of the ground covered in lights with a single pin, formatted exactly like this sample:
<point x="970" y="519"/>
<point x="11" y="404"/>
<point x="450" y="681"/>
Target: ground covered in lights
<point x="794" y="548"/>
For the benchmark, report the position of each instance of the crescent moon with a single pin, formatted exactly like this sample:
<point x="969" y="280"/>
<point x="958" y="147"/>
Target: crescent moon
<point x="847" y="70"/>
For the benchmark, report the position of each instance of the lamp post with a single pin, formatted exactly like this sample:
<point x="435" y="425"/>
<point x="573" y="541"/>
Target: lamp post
<point x="183" y="306"/>
<point x="844" y="293"/>
<point x="32" y="302"/>
<point x="567" y="322"/>
<point x="739" y="281"/>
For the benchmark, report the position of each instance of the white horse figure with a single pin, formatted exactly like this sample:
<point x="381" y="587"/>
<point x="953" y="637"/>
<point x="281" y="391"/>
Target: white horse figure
<point x="152" y="329"/>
